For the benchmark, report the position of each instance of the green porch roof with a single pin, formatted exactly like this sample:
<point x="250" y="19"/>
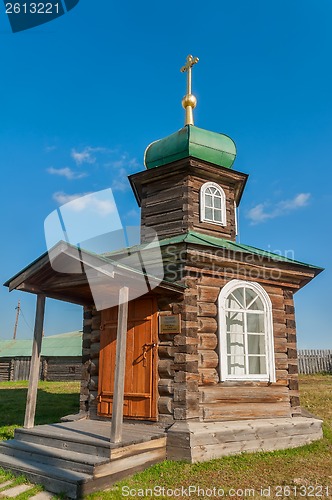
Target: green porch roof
<point x="62" y="345"/>
<point x="215" y="148"/>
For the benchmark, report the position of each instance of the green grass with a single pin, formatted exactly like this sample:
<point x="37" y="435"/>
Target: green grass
<point x="55" y="399"/>
<point x="308" y="465"/>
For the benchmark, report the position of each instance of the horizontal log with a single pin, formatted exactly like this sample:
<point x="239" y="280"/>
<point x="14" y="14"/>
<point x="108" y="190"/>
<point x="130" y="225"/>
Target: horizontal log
<point x="224" y="395"/>
<point x="155" y="190"/>
<point x="248" y="383"/>
<point x="94" y="350"/>
<point x="95" y="336"/>
<point x="93" y="383"/>
<point x="280" y="344"/>
<point x="207" y="341"/>
<point x="208" y="376"/>
<point x="274" y="290"/>
<point x="210" y="280"/>
<point x="208" y="293"/>
<point x="279" y="330"/>
<point x="165" y="405"/>
<point x="207" y="325"/>
<point x="243" y="411"/>
<point x="207" y="309"/>
<point x="165" y="387"/>
<point x="94" y="367"/>
<point x="96" y="322"/>
<point x="277" y="302"/>
<point x="281" y="364"/>
<point x="279" y="316"/>
<point x="208" y="359"/>
<point x="281" y="375"/>
<point x="165" y="352"/>
<point x="151" y="218"/>
<point x="166" y="368"/>
<point x="93" y="396"/>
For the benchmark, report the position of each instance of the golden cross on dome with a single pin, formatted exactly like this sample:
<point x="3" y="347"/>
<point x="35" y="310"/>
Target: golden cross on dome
<point x="189" y="101"/>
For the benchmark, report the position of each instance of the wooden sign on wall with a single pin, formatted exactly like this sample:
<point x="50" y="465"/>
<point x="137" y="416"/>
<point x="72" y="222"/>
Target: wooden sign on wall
<point x="170" y="324"/>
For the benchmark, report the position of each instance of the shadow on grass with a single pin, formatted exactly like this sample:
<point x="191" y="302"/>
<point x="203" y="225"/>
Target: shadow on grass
<point x="50" y="408"/>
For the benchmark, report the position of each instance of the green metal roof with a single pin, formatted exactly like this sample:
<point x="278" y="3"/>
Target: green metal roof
<point x="191" y="141"/>
<point x="213" y="241"/>
<point x="62" y="345"/>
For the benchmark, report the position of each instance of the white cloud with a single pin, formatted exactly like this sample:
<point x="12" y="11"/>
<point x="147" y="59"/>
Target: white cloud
<point x="300" y="200"/>
<point x="121" y="168"/>
<point x="49" y="149"/>
<point x="63" y="198"/>
<point x="264" y="211"/>
<point x="88" y="202"/>
<point x="66" y="172"/>
<point x="86" y="155"/>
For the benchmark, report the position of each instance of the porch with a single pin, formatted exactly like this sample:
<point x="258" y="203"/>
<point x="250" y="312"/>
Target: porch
<point x="76" y="458"/>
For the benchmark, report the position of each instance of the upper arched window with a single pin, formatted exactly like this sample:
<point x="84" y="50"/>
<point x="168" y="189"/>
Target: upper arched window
<point x="213" y="204"/>
<point x="245" y="332"/>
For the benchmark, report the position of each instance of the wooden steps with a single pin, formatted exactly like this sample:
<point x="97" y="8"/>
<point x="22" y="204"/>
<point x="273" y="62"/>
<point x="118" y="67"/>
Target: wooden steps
<point x="76" y="458"/>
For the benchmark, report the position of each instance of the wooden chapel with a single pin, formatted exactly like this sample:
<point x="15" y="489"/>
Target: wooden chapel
<point x="210" y="352"/>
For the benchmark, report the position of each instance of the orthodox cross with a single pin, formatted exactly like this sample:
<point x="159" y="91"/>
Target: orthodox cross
<point x="189" y="101"/>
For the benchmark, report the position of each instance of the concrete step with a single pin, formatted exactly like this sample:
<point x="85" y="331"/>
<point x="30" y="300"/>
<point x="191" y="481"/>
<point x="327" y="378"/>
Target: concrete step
<point x="57" y="457"/>
<point x="80" y="443"/>
<point x="54" y="479"/>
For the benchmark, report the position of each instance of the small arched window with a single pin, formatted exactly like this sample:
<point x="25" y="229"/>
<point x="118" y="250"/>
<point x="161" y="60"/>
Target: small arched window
<point x="213" y="204"/>
<point x="245" y="332"/>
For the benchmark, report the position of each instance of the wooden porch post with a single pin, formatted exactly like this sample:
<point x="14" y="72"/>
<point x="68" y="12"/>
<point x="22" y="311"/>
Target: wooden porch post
<point x="120" y="366"/>
<point x="30" y="409"/>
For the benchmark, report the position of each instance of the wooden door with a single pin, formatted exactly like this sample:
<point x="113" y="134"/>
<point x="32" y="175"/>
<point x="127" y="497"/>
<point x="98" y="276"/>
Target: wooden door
<point x="140" y="398"/>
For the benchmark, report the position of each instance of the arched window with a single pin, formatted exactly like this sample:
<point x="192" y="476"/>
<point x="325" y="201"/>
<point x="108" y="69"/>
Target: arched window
<point x="213" y="204"/>
<point x="245" y="332"/>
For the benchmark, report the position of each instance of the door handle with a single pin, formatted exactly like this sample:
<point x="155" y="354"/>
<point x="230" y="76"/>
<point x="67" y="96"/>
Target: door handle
<point x="146" y="348"/>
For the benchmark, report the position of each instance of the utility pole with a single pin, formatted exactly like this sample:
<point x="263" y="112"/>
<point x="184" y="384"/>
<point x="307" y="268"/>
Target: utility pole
<point x="18" y="309"/>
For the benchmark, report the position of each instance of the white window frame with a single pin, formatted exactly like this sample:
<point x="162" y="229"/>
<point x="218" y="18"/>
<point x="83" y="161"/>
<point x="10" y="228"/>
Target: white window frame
<point x="270" y="376"/>
<point x="204" y="187"/>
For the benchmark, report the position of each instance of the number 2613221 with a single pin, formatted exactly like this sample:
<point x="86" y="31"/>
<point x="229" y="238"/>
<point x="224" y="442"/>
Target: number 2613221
<point x="32" y="8"/>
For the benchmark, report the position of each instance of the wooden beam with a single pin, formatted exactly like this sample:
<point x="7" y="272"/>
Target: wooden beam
<point x="30" y="409"/>
<point x="120" y="366"/>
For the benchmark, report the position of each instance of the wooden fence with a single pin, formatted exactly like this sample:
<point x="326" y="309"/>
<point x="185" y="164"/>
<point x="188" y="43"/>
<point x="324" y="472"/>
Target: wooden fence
<point x="315" y="361"/>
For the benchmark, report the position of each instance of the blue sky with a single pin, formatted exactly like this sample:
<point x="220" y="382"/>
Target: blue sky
<point x="82" y="96"/>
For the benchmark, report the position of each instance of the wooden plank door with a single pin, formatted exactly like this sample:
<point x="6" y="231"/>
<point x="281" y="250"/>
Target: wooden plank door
<point x="140" y="397"/>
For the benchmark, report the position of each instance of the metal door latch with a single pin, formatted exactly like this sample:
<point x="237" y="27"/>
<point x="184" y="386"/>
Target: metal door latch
<point x="146" y="348"/>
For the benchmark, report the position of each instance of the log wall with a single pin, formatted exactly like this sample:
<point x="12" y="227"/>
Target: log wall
<point x="189" y="385"/>
<point x="90" y="370"/>
<point x="242" y="400"/>
<point x="259" y="399"/>
<point x="228" y="231"/>
<point x="170" y="202"/>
